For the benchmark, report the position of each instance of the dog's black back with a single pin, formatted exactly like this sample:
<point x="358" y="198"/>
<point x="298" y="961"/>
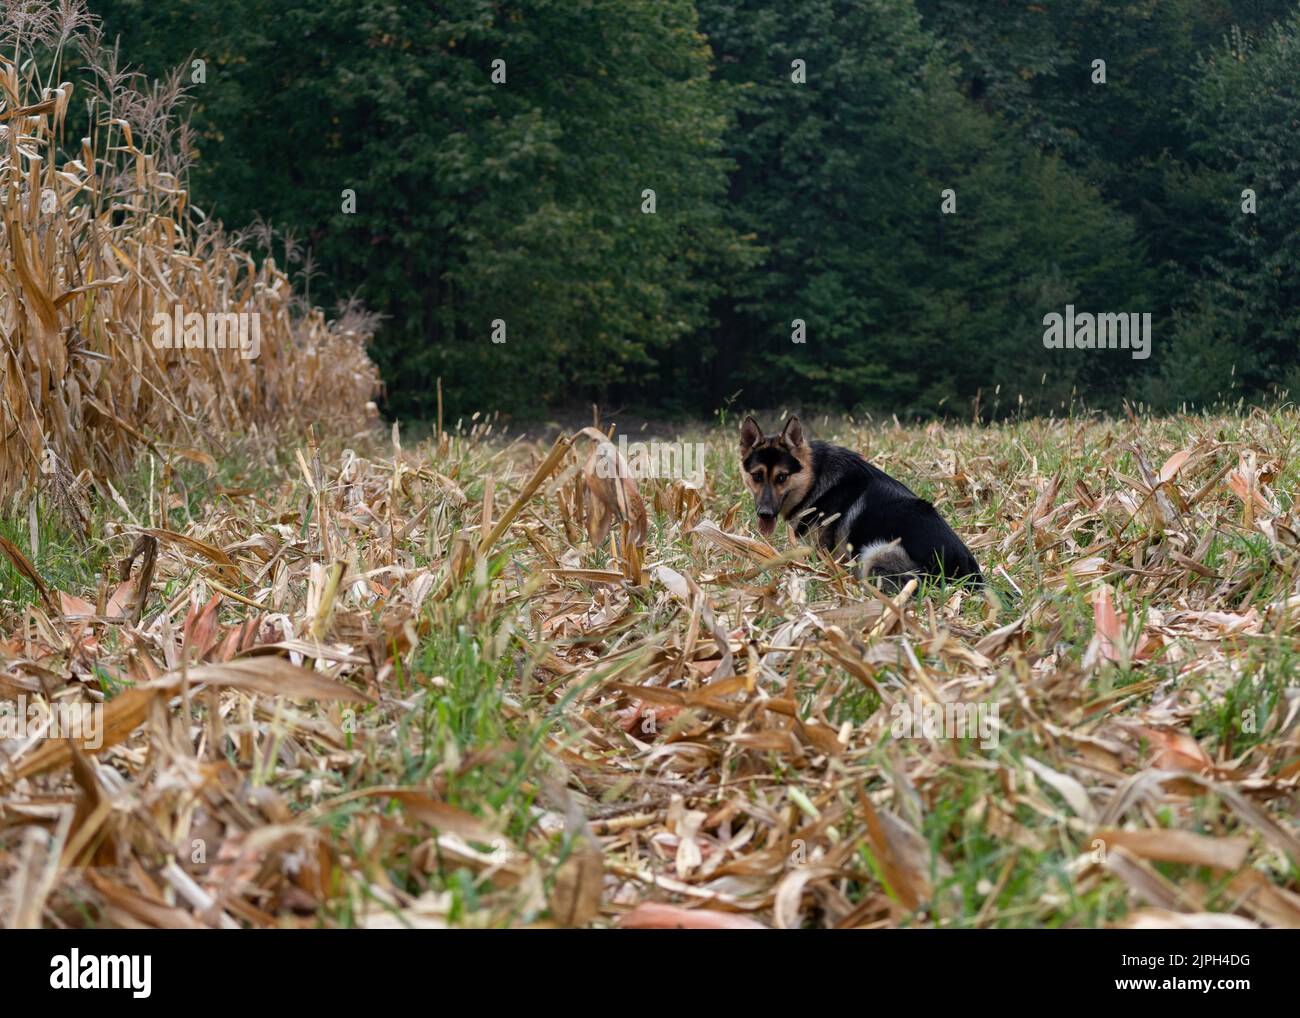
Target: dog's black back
<point x="865" y="507"/>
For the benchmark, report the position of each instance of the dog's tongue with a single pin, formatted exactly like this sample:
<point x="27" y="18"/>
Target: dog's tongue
<point x="766" y="525"/>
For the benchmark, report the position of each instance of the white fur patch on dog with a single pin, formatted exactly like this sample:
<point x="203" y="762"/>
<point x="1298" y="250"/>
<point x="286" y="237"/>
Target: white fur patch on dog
<point x="884" y="558"/>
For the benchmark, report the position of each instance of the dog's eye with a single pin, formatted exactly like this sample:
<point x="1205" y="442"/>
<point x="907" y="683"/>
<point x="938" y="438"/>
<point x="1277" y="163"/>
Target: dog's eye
<point x="780" y="478"/>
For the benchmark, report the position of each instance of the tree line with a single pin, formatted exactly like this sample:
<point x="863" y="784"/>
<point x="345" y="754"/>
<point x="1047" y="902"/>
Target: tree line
<point x="853" y="204"/>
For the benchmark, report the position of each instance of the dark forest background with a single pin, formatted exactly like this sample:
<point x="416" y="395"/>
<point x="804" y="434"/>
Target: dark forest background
<point x="776" y="200"/>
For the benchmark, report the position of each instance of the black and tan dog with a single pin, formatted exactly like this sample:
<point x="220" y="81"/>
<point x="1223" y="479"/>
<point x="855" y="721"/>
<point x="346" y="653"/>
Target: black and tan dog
<point x="848" y="506"/>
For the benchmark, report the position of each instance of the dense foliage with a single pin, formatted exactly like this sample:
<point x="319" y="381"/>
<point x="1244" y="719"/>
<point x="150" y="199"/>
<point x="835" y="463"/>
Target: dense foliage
<point x="799" y="155"/>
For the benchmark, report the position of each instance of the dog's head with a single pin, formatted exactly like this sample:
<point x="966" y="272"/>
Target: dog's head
<point x="777" y="469"/>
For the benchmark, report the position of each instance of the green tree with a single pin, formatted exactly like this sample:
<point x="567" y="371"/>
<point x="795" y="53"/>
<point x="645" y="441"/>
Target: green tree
<point x="1031" y="64"/>
<point x="841" y="177"/>
<point x="1239" y="333"/>
<point x="516" y="199"/>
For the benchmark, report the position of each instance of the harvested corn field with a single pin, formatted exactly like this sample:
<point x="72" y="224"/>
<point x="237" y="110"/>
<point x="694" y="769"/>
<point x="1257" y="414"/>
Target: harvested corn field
<point x="478" y="682"/>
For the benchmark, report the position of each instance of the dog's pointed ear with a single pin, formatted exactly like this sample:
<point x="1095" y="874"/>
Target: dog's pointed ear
<point x="750" y="434"/>
<point x="792" y="433"/>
